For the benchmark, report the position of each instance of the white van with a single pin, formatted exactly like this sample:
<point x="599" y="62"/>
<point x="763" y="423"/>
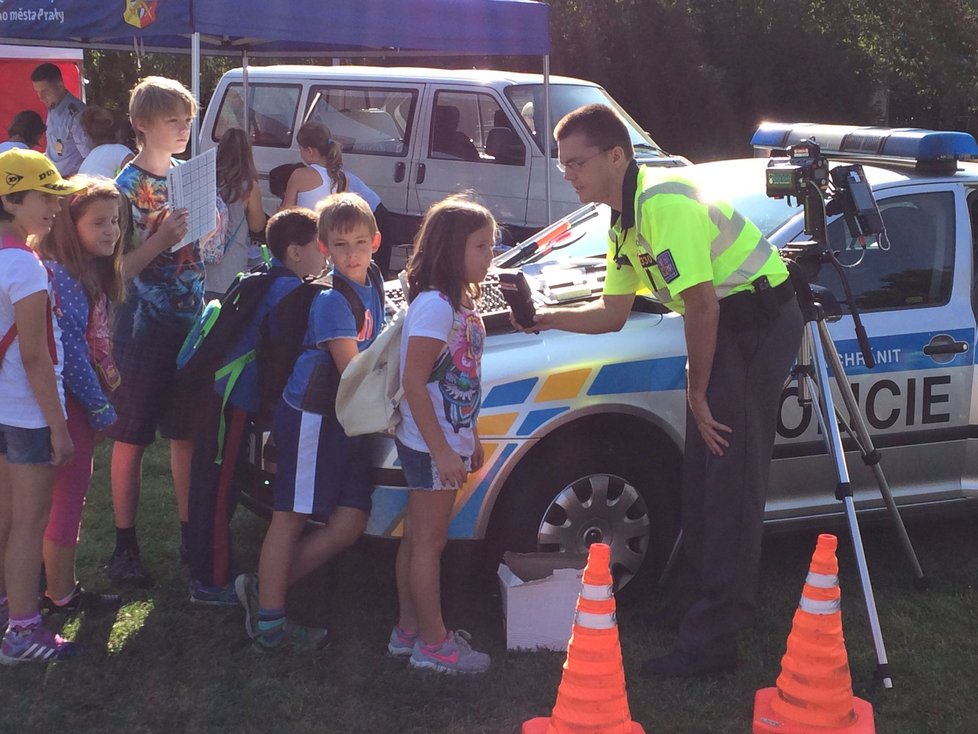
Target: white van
<point x="415" y="135"/>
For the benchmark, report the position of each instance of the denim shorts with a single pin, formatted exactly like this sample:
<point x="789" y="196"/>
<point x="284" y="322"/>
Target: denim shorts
<point x="25" y="445"/>
<point x="420" y="470"/>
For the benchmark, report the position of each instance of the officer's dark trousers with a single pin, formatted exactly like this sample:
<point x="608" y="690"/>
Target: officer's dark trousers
<point x="214" y="489"/>
<point x="723" y="496"/>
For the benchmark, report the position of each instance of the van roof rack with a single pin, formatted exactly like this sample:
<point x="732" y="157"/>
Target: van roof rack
<point x="927" y="150"/>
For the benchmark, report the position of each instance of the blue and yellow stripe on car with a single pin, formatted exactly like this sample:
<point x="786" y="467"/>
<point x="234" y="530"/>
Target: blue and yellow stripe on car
<point x="516" y="411"/>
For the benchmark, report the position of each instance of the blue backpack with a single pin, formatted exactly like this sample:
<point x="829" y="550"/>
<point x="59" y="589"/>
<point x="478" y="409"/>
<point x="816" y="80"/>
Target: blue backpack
<point x="203" y="359"/>
<point x="281" y="339"/>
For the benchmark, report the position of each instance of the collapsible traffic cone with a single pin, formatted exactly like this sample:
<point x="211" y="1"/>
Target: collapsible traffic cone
<point x="814" y="691"/>
<point x="591" y="696"/>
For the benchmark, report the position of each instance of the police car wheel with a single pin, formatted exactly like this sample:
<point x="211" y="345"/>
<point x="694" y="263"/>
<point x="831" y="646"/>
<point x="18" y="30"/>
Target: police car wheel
<point x="566" y="496"/>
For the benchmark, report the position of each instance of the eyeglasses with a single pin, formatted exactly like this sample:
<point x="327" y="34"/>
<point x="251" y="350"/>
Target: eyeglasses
<point x="575" y="166"/>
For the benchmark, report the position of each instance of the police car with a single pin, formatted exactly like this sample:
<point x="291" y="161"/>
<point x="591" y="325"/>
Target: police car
<point x="583" y="434"/>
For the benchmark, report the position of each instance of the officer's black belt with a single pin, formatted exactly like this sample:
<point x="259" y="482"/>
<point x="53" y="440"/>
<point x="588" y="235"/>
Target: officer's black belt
<point x="750" y="309"/>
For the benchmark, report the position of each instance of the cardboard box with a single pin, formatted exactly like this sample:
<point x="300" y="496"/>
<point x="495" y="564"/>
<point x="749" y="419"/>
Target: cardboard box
<point x="539" y="599"/>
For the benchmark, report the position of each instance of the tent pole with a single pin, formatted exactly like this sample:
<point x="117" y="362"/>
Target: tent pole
<point x="244" y="92"/>
<point x="546" y="135"/>
<point x="195" y="90"/>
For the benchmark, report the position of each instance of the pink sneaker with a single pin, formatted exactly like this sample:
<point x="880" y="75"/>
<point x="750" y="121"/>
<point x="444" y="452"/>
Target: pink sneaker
<point x="454" y="655"/>
<point x="401" y="644"/>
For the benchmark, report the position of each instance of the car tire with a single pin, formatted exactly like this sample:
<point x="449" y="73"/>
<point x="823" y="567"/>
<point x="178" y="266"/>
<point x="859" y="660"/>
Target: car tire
<point x="566" y="494"/>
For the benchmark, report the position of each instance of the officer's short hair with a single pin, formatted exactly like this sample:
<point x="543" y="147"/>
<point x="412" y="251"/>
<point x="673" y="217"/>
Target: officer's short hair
<point x="47" y="72"/>
<point x="600" y="124"/>
<point x="156" y="97"/>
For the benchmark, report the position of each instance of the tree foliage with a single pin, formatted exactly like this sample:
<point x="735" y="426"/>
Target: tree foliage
<point x="111" y="74"/>
<point x="700" y="74"/>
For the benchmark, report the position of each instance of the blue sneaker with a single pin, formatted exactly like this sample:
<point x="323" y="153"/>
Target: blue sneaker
<point x="213" y="596"/>
<point x="246" y="589"/>
<point x="40" y="645"/>
<point x="401" y="644"/>
<point x="454" y="655"/>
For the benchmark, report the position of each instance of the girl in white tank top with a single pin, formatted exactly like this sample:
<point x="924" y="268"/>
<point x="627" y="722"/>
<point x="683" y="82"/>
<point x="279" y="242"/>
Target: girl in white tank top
<point x="323" y="174"/>
<point x="310" y="198"/>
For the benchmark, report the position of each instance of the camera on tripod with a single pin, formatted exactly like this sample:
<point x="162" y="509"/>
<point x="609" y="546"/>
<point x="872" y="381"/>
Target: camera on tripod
<point x="802" y="171"/>
<point x="793" y="172"/>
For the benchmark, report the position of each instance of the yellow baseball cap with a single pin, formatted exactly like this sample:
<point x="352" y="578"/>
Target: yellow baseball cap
<point x="28" y="170"/>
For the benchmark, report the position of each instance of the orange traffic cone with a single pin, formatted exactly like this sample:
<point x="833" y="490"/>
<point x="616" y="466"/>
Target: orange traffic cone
<point x="814" y="691"/>
<point x="591" y="696"/>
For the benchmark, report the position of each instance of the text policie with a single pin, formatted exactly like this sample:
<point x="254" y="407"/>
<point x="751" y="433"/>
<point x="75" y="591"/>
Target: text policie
<point x="888" y="402"/>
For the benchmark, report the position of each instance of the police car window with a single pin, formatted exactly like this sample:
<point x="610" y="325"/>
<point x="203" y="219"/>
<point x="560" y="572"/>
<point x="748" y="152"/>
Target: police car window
<point x="915" y="271"/>
<point x="371" y="121"/>
<point x="271" y="112"/>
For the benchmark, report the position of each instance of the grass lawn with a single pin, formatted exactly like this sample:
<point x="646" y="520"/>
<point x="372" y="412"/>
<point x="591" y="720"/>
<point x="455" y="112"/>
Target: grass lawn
<point x="164" y="666"/>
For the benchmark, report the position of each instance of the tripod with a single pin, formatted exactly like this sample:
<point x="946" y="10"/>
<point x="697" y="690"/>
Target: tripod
<point x="811" y="374"/>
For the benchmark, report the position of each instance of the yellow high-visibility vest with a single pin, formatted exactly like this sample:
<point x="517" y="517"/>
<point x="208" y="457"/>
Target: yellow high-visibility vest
<point x="680" y="240"/>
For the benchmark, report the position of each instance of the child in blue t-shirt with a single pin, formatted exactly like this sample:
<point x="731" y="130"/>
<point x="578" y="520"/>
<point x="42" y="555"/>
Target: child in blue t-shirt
<point x="320" y="470"/>
<point x="220" y="461"/>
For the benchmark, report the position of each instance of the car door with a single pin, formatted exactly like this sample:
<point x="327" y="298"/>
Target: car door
<point x="273" y="108"/>
<point x="914" y="297"/>
<point x="471" y="144"/>
<point x="374" y="123"/>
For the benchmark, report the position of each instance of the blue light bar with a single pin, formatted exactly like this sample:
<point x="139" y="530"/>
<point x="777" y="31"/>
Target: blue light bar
<point x="905" y="143"/>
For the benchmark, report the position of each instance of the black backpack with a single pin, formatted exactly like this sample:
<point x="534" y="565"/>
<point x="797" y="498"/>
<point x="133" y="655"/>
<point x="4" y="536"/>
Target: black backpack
<point x="203" y="357"/>
<point x="281" y="339"/>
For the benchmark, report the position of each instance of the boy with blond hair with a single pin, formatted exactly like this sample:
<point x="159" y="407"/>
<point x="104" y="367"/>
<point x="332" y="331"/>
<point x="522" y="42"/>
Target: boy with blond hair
<point x="320" y="470"/>
<point x="166" y="291"/>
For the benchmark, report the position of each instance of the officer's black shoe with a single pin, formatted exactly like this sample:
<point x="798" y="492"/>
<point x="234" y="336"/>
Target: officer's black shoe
<point x="679" y="664"/>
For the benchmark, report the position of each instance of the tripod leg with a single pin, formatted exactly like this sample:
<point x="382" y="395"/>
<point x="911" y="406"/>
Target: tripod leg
<point x="868" y="451"/>
<point x="844" y="492"/>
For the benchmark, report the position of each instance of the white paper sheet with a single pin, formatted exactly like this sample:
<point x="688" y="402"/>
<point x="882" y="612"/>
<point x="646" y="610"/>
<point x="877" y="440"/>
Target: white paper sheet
<point x="193" y="186"/>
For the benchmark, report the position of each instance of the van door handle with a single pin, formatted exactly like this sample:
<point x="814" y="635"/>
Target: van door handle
<point x="949" y="347"/>
<point x="419" y="178"/>
<point x="399" y="169"/>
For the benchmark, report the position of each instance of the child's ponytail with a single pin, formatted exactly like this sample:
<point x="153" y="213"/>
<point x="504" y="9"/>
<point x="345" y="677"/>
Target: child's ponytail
<point x="316" y="135"/>
<point x="334" y="165"/>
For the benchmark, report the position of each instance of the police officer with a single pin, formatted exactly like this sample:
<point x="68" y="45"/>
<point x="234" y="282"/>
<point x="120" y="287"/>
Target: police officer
<point x="743" y="328"/>
<point x="67" y="144"/>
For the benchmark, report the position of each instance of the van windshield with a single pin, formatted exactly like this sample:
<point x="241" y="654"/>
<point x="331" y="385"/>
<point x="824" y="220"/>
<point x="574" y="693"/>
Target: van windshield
<point x="527" y="99"/>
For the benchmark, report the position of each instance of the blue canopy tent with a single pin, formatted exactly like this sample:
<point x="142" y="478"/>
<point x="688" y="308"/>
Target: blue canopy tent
<point x="281" y="27"/>
<point x="387" y="26"/>
<point x="287" y="28"/>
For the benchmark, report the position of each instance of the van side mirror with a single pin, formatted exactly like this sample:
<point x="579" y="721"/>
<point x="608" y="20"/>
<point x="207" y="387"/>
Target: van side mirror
<point x="505" y="146"/>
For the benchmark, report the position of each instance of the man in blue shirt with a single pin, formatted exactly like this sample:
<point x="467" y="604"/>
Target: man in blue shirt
<point x="67" y="143"/>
